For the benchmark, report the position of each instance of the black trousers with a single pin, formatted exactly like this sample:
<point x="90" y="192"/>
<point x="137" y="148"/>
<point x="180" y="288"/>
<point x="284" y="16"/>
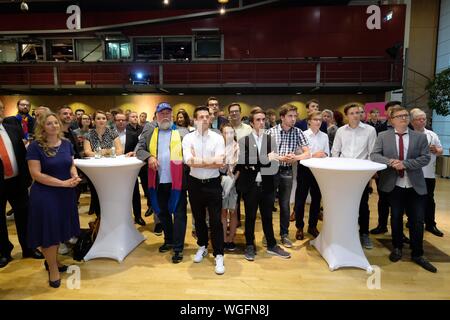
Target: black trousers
<point x="174" y="230"/>
<point x="137" y="208"/>
<point x="407" y="199"/>
<point x="143" y="175"/>
<point x="255" y="197"/>
<point x="383" y="206"/>
<point x="204" y="196"/>
<point x="18" y="199"/>
<point x="430" y="212"/>
<point x="364" y="213"/>
<point x="306" y="183"/>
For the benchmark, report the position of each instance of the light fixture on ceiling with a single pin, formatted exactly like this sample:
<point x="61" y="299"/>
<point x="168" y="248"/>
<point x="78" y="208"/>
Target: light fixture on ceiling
<point x="222" y="6"/>
<point x="166" y="2"/>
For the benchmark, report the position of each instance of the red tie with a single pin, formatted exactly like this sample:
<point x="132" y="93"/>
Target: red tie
<point x="5" y="159"/>
<point x="401" y="155"/>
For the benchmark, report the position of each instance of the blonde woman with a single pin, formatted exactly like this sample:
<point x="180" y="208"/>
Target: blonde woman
<point x="53" y="217"/>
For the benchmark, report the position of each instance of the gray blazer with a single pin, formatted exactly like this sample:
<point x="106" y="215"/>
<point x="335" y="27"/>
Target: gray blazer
<point x="418" y="156"/>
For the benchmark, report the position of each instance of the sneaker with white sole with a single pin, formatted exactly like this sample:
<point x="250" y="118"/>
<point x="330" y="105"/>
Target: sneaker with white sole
<point x="73" y="240"/>
<point x="201" y="253"/>
<point x="278" y="251"/>
<point x="286" y="242"/>
<point x="220" y="268"/>
<point x="63" y="249"/>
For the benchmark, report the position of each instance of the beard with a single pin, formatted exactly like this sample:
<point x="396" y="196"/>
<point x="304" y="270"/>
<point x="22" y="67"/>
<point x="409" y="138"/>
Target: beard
<point x="165" y="124"/>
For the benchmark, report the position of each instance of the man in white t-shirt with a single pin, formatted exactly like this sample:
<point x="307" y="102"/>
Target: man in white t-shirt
<point x="419" y="121"/>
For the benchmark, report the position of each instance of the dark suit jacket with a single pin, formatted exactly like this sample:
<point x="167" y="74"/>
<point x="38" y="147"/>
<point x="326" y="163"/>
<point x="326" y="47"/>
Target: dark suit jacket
<point x="132" y="138"/>
<point x="15" y="134"/>
<point x="251" y="162"/>
<point x="2" y="179"/>
<point x="418" y="156"/>
<point x="12" y="120"/>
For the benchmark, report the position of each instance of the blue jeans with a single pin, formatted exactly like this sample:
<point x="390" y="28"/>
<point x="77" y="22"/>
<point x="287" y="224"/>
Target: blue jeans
<point x="283" y="182"/>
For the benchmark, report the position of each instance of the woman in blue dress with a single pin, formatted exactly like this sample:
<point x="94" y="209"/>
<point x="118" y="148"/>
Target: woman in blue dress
<point x="53" y="208"/>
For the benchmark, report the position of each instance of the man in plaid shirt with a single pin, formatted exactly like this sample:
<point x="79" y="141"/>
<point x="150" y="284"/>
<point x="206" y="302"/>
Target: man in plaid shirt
<point x="292" y="146"/>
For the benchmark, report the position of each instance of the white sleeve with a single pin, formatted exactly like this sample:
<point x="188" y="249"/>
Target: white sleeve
<point x="187" y="154"/>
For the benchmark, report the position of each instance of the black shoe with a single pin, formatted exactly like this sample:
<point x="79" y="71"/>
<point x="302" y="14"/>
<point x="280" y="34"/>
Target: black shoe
<point x="407" y="225"/>
<point x="395" y="255"/>
<point x="10" y="213"/>
<point x="158" y="229"/>
<point x="4" y="260"/>
<point x="139" y="221"/>
<point x="63" y="268"/>
<point x="406" y="239"/>
<point x="165" y="247"/>
<point x="54" y="284"/>
<point x="274" y="209"/>
<point x="177" y="257"/>
<point x="379" y="230"/>
<point x="149" y="212"/>
<point x="32" y="253"/>
<point x="434" y="230"/>
<point x="424" y="263"/>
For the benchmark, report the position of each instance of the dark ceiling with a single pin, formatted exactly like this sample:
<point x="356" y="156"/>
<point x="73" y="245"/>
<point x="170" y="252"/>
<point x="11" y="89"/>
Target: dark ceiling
<point x="11" y="6"/>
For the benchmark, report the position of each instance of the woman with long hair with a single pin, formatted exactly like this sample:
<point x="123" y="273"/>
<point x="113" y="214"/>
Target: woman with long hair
<point x="101" y="137"/>
<point x="229" y="195"/>
<point x="182" y="120"/>
<point x="84" y="125"/>
<point x="53" y="217"/>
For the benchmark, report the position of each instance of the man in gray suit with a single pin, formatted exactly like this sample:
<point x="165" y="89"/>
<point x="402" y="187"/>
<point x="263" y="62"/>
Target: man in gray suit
<point x="405" y="152"/>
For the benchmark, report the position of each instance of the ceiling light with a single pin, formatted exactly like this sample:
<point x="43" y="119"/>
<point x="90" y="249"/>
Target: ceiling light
<point x="222" y="10"/>
<point x="166" y="2"/>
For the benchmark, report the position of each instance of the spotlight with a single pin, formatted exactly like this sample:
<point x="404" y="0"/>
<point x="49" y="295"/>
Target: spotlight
<point x="222" y="10"/>
<point x="166" y="2"/>
<point x="140" y="78"/>
<point x="24" y="6"/>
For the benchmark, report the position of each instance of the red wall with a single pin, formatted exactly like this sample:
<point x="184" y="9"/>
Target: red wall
<point x="267" y="32"/>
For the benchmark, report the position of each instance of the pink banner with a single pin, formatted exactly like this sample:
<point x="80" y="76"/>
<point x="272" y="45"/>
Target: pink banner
<point x="376" y="105"/>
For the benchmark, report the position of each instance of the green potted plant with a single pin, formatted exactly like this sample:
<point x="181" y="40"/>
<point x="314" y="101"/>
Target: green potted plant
<point x="439" y="89"/>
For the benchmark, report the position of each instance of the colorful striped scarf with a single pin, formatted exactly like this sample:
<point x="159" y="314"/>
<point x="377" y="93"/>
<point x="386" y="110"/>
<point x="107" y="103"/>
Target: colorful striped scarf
<point x="176" y="169"/>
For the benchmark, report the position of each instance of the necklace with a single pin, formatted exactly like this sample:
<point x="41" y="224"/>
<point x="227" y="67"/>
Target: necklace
<point x="56" y="149"/>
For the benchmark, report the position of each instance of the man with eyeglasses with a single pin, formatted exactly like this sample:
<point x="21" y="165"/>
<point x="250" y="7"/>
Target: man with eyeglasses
<point x="242" y="129"/>
<point x="355" y="140"/>
<point x="214" y="107"/>
<point x="405" y="152"/>
<point x="23" y="119"/>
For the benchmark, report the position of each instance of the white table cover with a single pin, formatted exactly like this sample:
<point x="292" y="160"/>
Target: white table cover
<point x="342" y="182"/>
<point x="114" y="180"/>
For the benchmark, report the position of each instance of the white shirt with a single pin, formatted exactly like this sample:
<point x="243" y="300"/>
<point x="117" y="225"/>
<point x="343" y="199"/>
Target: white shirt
<point x="354" y="143"/>
<point x="318" y="141"/>
<point x="210" y="145"/>
<point x="242" y="130"/>
<point x="122" y="137"/>
<point x="258" y="140"/>
<point x="10" y="151"/>
<point x="429" y="171"/>
<point x="403" y="182"/>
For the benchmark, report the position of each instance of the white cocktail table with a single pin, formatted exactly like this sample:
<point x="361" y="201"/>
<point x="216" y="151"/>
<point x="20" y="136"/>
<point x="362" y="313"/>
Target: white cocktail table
<point x="342" y="182"/>
<point x="114" y="180"/>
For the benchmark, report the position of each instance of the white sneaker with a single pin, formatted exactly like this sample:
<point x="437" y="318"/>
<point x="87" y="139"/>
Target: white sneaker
<point x="73" y="240"/>
<point x="201" y="253"/>
<point x="220" y="268"/>
<point x="63" y="249"/>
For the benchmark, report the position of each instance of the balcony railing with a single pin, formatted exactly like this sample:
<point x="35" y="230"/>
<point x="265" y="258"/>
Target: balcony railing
<point x="267" y="72"/>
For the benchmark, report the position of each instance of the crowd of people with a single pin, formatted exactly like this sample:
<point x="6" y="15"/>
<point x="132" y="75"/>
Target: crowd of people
<point x="213" y="162"/>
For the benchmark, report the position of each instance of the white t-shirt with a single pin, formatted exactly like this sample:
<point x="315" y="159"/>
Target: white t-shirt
<point x="429" y="171"/>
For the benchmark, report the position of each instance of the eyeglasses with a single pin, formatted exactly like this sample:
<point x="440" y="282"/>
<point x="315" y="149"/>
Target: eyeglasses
<point x="24" y="104"/>
<point x="316" y="119"/>
<point x="234" y="111"/>
<point x="401" y="116"/>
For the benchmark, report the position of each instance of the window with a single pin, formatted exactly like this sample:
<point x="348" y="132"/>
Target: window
<point x="147" y="49"/>
<point x="117" y="50"/>
<point x="207" y="43"/>
<point x="59" y="50"/>
<point x="208" y="46"/>
<point x="8" y="52"/>
<point x="31" y="50"/>
<point x="178" y="48"/>
<point x="88" y="49"/>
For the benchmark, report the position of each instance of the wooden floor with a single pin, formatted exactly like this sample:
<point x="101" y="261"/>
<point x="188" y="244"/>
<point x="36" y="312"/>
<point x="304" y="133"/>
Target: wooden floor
<point x="148" y="274"/>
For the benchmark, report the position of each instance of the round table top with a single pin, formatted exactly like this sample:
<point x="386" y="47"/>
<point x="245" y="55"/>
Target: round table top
<point x="119" y="161"/>
<point x="343" y="164"/>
